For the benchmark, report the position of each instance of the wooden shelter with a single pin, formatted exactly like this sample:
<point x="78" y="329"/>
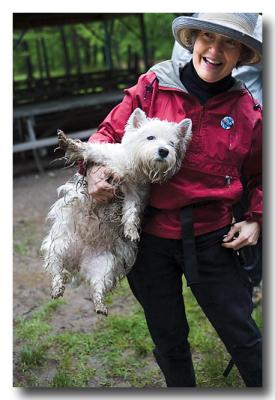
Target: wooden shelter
<point x="44" y="102"/>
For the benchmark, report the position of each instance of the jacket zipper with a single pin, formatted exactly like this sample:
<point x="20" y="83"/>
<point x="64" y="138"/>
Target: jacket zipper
<point x="149" y="88"/>
<point x="228" y="179"/>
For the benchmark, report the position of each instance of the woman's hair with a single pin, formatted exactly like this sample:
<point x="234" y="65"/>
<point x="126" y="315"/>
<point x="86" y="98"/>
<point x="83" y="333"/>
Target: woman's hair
<point x="189" y="37"/>
<point x="246" y="55"/>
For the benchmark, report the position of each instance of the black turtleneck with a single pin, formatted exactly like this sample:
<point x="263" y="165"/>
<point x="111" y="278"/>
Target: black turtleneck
<point x="200" y="89"/>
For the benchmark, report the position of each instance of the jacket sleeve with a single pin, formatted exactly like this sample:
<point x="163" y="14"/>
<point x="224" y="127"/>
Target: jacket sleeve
<point x="252" y="170"/>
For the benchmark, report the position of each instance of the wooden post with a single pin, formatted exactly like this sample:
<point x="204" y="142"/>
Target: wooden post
<point x="116" y="55"/>
<point x="144" y="41"/>
<point x="129" y="57"/>
<point x="87" y="52"/>
<point x="45" y="58"/>
<point x="29" y="67"/>
<point x="95" y="53"/>
<point x="136" y="62"/>
<point x="32" y="138"/>
<point x="39" y="58"/>
<point x="66" y="56"/>
<point x="107" y="46"/>
<point x="76" y="50"/>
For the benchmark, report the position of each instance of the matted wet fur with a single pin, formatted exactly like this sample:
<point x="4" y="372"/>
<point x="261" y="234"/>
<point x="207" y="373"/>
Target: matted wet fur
<point x="97" y="243"/>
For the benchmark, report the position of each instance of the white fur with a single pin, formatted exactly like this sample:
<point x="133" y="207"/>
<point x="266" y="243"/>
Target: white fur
<point x="98" y="242"/>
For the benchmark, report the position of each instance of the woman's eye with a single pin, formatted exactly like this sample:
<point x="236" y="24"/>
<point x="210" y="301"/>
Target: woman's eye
<point x="151" y="137"/>
<point x="207" y="35"/>
<point x="231" y="42"/>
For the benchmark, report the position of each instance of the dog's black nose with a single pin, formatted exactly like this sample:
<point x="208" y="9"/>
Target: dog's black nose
<point x="163" y="152"/>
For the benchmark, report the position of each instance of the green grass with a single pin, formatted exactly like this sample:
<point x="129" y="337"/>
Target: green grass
<point x="118" y="352"/>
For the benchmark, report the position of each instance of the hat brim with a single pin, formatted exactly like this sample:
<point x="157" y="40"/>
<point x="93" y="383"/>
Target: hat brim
<point x="191" y="23"/>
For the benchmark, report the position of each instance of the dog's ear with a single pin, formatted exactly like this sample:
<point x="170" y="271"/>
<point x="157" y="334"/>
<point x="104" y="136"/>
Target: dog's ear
<point x="137" y="118"/>
<point x="185" y="128"/>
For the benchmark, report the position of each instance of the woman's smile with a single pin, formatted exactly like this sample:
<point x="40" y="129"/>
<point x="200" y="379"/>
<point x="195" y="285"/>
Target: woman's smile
<point x="212" y="63"/>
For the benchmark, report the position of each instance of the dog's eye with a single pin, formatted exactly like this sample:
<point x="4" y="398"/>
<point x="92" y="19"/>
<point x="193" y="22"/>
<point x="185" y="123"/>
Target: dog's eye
<point x="151" y="137"/>
<point x="172" y="144"/>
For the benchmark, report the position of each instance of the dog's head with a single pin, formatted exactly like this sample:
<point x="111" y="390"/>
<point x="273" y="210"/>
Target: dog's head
<point x="156" y="148"/>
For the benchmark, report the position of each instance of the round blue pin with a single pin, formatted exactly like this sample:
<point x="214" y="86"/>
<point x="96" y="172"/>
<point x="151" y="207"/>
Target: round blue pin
<point x="227" y="122"/>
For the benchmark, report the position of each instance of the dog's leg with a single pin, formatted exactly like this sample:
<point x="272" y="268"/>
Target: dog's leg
<point x="132" y="209"/>
<point x="74" y="148"/>
<point x="98" y="153"/>
<point x="53" y="263"/>
<point x="58" y="286"/>
<point x="99" y="271"/>
<point x="60" y="255"/>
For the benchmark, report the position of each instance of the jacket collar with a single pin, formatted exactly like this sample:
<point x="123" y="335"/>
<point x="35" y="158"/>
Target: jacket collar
<point x="168" y="74"/>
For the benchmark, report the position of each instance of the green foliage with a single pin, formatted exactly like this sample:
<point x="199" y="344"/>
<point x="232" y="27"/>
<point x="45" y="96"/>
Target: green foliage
<point x="159" y="30"/>
<point x="85" y="43"/>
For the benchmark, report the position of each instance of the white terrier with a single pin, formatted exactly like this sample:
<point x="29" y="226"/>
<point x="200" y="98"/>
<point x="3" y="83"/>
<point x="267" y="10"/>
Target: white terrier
<point x="98" y="242"/>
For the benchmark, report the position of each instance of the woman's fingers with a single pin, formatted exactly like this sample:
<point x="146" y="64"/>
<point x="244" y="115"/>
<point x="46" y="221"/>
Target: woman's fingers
<point x="100" y="183"/>
<point x="244" y="233"/>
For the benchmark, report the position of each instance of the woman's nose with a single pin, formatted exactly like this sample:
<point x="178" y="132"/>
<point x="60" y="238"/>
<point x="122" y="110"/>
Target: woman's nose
<point x="216" y="47"/>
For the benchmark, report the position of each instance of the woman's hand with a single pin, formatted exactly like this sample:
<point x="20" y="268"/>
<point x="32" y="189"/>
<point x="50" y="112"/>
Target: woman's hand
<point x="98" y="186"/>
<point x="244" y="233"/>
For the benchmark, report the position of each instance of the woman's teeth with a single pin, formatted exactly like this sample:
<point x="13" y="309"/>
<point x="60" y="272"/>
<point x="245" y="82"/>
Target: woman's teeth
<point x="212" y="62"/>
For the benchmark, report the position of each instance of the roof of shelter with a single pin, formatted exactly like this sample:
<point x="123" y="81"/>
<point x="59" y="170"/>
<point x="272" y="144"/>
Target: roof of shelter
<point x="33" y="20"/>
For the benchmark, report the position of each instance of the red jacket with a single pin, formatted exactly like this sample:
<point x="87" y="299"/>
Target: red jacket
<point x="215" y="158"/>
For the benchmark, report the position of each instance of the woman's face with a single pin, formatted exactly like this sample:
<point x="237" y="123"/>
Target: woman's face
<point x="214" y="56"/>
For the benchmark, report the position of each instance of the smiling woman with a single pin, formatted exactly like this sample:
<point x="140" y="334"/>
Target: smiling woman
<point x="190" y="228"/>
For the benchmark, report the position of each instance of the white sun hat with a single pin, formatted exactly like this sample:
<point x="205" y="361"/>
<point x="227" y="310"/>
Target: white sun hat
<point x="238" y="26"/>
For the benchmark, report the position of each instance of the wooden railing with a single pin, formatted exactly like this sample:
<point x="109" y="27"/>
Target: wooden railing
<point x="36" y="90"/>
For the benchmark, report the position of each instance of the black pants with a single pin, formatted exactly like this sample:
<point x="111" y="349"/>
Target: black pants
<point x="222" y="293"/>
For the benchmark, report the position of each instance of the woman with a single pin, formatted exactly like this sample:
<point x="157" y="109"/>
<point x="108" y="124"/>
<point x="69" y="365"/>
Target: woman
<point x="251" y="75"/>
<point x="226" y="144"/>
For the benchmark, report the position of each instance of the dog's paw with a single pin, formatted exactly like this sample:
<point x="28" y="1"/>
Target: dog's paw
<point x="131" y="232"/>
<point x="100" y="308"/>
<point x="57" y="292"/>
<point x="58" y="287"/>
